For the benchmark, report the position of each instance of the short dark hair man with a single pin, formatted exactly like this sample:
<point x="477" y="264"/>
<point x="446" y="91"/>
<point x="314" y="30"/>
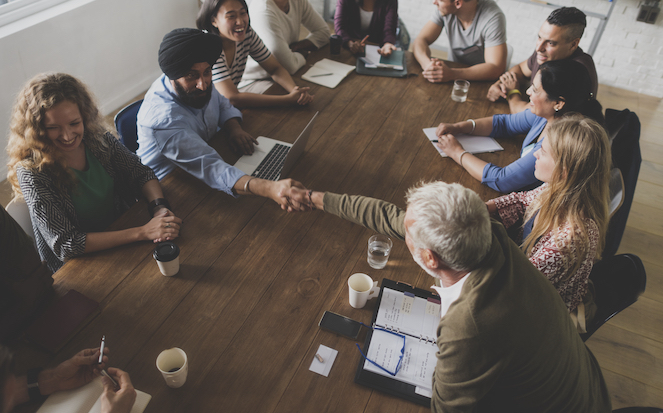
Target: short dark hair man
<point x="558" y="38"/>
<point x="182" y="111"/>
<point x="476" y="30"/>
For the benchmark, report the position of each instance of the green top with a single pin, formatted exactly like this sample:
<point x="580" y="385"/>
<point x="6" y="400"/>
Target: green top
<point x="93" y="196"/>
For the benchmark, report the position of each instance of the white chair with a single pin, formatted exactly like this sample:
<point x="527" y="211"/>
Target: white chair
<point x="18" y="210"/>
<point x="616" y="190"/>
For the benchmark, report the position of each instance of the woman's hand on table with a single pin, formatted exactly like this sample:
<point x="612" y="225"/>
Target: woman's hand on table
<point x="164" y="226"/>
<point x="301" y="95"/>
<point x="356" y="47"/>
<point x="449" y="144"/>
<point x="387" y="49"/>
<point x="445" y="128"/>
<point x="509" y="81"/>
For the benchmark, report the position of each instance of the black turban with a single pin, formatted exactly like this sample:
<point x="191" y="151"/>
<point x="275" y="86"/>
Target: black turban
<point x="182" y="48"/>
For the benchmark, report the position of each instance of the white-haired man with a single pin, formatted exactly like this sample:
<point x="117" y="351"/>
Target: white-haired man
<point x="506" y="341"/>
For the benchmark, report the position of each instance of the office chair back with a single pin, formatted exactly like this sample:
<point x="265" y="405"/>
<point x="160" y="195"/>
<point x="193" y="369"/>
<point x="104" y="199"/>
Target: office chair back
<point x="125" y="123"/>
<point x="624" y="128"/>
<point x="616" y="191"/>
<point x="618" y="282"/>
<point x="18" y="209"/>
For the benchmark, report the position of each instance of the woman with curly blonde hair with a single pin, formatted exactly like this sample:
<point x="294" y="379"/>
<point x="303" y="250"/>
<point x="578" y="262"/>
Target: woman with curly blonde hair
<point x="566" y="219"/>
<point x="74" y="175"/>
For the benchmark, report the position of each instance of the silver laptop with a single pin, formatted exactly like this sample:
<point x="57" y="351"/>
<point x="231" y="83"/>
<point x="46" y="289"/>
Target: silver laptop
<point x="274" y="159"/>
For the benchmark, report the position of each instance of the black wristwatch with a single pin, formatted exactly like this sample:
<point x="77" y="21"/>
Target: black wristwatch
<point x="33" y="385"/>
<point x="157" y="202"/>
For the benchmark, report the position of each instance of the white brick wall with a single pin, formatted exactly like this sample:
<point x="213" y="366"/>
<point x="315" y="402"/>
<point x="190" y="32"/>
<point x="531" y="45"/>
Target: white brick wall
<point x="629" y="55"/>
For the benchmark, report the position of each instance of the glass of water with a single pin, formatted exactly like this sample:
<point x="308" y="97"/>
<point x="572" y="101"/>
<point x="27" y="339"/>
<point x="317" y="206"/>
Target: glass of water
<point x="459" y="92"/>
<point x="379" y="248"/>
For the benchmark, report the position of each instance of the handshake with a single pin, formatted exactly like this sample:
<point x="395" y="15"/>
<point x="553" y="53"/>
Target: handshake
<point x="292" y="196"/>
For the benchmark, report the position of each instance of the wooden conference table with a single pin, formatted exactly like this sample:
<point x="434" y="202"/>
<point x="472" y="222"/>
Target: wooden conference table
<point x="255" y="280"/>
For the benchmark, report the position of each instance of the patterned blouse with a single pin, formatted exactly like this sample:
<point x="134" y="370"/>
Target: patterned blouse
<point x="251" y="45"/>
<point x="554" y="254"/>
<point x="54" y="219"/>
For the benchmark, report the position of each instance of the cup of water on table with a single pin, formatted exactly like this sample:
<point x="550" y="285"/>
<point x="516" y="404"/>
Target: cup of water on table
<point x="459" y="92"/>
<point x="379" y="248"/>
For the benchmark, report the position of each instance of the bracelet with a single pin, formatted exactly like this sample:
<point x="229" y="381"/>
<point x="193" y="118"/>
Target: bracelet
<point x="474" y="125"/>
<point x="310" y="199"/>
<point x="460" y="158"/>
<point x="513" y="92"/>
<point x="33" y="385"/>
<point x="155" y="203"/>
<point x="246" y="185"/>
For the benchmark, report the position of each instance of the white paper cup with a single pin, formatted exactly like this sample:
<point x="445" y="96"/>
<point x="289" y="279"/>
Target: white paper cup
<point x="173" y="365"/>
<point x="167" y="255"/>
<point x="362" y="288"/>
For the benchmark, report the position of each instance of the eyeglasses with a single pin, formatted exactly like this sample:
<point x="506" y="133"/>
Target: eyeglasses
<point x="400" y="359"/>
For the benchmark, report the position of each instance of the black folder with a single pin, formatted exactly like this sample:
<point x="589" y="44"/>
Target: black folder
<point x="385" y="384"/>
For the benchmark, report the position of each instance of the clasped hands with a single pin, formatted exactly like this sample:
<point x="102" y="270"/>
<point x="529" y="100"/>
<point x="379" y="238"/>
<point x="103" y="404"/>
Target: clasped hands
<point x="437" y="71"/>
<point x="508" y="81"/>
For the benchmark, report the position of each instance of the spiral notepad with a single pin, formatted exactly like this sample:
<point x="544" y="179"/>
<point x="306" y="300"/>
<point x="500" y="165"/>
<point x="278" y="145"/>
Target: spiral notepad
<point x="414" y="313"/>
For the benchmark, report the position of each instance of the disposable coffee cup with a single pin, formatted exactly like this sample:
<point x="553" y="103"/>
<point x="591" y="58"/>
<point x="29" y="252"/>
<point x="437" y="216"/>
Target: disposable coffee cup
<point x="167" y="255"/>
<point x="361" y="288"/>
<point x="174" y="366"/>
<point x="335" y="43"/>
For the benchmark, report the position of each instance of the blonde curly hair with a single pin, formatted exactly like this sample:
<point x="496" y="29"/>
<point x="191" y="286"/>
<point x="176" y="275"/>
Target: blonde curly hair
<point x="28" y="144"/>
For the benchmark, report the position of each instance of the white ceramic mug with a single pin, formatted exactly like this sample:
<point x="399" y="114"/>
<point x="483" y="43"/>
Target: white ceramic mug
<point x="362" y="288"/>
<point x="174" y="366"/>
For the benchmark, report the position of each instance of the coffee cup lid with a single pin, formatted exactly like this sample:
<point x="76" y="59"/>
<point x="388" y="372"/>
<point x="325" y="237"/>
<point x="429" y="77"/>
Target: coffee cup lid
<point x="166" y="251"/>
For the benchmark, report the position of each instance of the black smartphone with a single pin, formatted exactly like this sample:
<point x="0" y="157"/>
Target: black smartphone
<point x="339" y="324"/>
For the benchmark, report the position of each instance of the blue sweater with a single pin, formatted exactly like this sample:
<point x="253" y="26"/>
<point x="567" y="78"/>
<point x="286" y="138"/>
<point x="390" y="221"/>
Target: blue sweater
<point x="519" y="175"/>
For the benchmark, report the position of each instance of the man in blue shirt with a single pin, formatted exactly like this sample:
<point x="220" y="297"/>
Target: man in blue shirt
<point x="182" y="111"/>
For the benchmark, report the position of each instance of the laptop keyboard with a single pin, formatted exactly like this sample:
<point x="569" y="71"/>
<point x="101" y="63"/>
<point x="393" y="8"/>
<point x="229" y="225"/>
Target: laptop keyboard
<point x="270" y="167"/>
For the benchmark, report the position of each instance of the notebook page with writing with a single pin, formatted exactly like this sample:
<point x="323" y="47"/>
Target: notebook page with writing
<point x="408" y="314"/>
<point x="472" y="144"/>
<point x="415" y="317"/>
<point x="86" y="399"/>
<point x="327" y="73"/>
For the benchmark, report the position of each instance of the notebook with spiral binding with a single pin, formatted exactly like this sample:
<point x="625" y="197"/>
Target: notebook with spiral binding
<point x="415" y="314"/>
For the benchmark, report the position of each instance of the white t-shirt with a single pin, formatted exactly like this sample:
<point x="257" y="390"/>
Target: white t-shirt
<point x="279" y="30"/>
<point x="488" y="29"/>
<point x="365" y="18"/>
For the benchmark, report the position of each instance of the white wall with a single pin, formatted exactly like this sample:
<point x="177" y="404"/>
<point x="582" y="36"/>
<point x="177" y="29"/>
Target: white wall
<point x="111" y="45"/>
<point x="629" y="55"/>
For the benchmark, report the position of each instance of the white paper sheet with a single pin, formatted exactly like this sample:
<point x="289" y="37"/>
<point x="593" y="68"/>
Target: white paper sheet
<point x="327" y="73"/>
<point x="471" y="143"/>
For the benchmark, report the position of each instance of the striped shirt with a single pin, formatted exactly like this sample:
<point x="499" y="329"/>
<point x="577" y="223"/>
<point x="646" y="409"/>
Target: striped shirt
<point x="251" y="45"/>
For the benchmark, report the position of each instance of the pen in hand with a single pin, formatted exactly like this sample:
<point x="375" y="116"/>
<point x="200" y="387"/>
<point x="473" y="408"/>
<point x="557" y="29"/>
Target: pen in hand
<point x="101" y="360"/>
<point x="363" y="41"/>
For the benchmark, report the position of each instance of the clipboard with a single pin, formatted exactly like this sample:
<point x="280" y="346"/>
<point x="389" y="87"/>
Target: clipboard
<point x="385" y="384"/>
<point x="363" y="70"/>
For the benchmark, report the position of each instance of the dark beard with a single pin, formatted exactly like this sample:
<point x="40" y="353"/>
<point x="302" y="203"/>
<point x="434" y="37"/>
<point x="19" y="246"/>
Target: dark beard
<point x="196" y="99"/>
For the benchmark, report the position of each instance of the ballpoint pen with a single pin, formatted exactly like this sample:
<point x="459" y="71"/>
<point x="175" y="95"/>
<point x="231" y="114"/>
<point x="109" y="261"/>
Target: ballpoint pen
<point x="101" y="359"/>
<point x="322" y="74"/>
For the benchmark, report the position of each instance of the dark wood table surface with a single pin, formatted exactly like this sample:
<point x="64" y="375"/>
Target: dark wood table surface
<point x="254" y="280"/>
